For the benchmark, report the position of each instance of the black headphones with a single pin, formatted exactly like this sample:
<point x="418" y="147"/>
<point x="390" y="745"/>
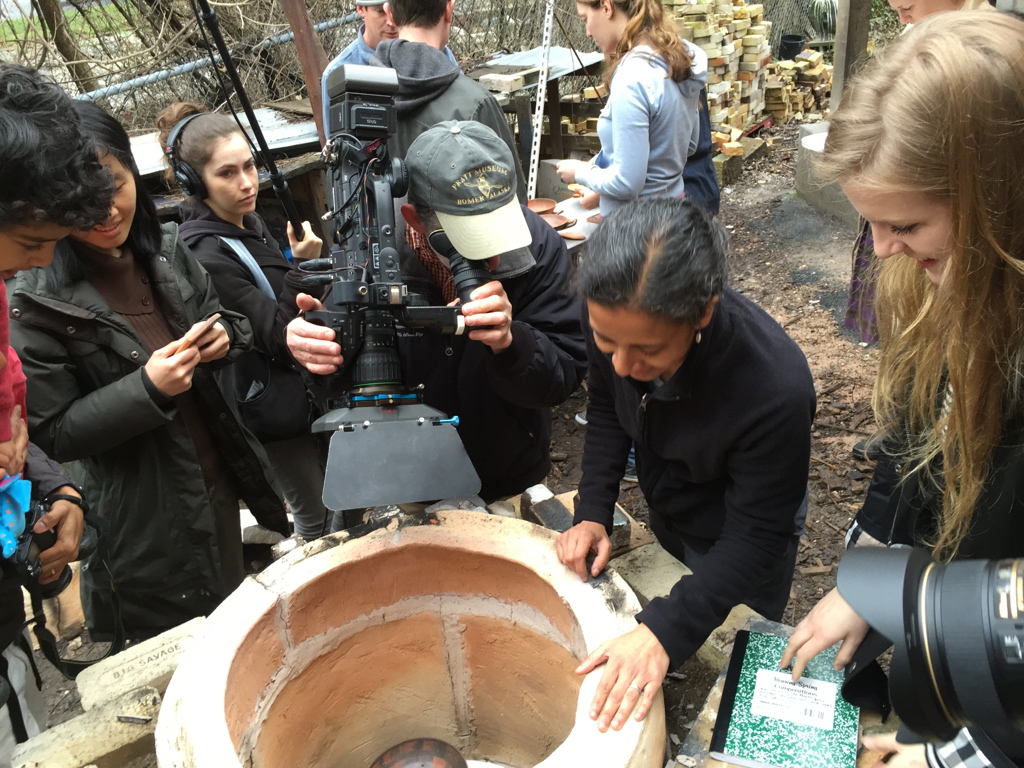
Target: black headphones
<point x="190" y="181"/>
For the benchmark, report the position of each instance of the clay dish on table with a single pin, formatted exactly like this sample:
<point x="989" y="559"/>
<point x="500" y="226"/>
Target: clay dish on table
<point x="541" y="205"/>
<point x="557" y="220"/>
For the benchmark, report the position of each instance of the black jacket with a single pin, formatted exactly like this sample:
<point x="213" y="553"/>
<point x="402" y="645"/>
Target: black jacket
<point x="46" y="476"/>
<point x="699" y="172"/>
<point x="906" y="510"/>
<point x="503" y="400"/>
<point x="202" y="231"/>
<point x="90" y="404"/>
<point x="722" y="451"/>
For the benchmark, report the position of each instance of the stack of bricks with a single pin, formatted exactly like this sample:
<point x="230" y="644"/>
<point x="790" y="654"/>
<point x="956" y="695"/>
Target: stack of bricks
<point x="795" y="88"/>
<point x="734" y="35"/>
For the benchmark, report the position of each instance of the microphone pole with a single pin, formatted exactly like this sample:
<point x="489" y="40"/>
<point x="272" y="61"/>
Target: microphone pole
<point x="277" y="181"/>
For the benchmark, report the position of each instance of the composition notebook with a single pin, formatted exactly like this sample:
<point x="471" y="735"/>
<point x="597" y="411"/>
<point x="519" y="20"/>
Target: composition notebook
<point x="767" y="720"/>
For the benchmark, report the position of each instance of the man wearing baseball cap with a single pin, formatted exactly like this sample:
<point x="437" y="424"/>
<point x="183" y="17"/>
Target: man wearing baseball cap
<point x="525" y="350"/>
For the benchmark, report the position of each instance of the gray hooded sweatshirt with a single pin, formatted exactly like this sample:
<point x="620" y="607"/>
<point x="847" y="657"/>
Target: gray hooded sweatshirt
<point x="431" y="90"/>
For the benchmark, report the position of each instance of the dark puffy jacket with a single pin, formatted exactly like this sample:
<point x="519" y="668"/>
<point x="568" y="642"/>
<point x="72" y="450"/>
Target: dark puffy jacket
<point x="89" y="404"/>
<point x="722" y="451"/>
<point x="503" y="400"/>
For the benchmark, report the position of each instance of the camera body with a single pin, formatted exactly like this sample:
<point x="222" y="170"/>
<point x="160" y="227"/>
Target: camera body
<point x="362" y="102"/>
<point x="373" y="414"/>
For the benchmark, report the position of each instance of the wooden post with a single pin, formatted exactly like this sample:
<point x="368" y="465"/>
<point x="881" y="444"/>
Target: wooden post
<point x="312" y="57"/>
<point x="852" y="28"/>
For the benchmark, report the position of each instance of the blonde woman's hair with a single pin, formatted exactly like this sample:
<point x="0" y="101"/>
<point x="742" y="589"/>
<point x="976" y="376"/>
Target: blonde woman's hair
<point x="647" y="25"/>
<point x="942" y="113"/>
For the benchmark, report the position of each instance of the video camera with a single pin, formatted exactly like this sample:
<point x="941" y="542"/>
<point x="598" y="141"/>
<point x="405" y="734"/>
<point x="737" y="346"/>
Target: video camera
<point x="958" y="632"/>
<point x="377" y="422"/>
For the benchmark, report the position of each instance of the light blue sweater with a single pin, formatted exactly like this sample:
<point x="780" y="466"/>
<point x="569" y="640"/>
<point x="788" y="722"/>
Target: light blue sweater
<point x="647" y="130"/>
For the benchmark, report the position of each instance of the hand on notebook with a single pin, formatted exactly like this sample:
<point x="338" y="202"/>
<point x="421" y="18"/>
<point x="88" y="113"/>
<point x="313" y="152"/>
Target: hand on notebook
<point x="635" y="666"/>
<point x="831" y="621"/>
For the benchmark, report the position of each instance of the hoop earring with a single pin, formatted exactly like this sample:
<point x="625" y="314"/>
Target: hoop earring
<point x="696" y="339"/>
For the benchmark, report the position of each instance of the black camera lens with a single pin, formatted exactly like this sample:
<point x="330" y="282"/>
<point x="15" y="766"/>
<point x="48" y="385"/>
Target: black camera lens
<point x="54" y="588"/>
<point x="377" y="362"/>
<point x="971" y="641"/>
<point x="37" y="544"/>
<point x="958" y="632"/>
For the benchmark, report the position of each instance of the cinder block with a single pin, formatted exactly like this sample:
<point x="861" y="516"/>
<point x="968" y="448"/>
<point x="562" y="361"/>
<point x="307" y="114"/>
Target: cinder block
<point x="148" y="664"/>
<point x="539" y="505"/>
<point x="716" y="649"/>
<point x="503" y="83"/>
<point x="100" y="738"/>
<point x="728" y="169"/>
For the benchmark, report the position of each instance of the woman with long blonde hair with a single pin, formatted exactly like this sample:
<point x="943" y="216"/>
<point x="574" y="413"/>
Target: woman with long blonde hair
<point x="649" y="126"/>
<point x="928" y="144"/>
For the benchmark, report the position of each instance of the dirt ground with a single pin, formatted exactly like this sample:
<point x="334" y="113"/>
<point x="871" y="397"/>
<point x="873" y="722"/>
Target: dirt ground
<point x="795" y="263"/>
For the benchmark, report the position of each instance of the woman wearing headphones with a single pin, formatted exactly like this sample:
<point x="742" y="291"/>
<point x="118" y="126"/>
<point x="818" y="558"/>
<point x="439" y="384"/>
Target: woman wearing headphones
<point x="212" y="162"/>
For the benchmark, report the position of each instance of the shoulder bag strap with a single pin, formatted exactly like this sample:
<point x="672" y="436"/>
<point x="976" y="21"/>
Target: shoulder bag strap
<point x="247" y="259"/>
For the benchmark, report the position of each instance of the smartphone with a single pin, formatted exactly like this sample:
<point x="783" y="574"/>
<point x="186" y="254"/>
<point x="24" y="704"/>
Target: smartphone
<point x="195" y="332"/>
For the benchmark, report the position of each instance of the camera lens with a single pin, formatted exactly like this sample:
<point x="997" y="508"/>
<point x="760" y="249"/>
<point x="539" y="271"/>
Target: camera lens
<point x="958" y="632"/>
<point x="971" y="623"/>
<point x="377" y="362"/>
<point x="54" y="588"/>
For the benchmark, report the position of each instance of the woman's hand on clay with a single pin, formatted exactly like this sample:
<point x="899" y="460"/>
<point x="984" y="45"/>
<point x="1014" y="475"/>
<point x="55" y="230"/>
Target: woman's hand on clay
<point x="213" y="344"/>
<point x="573" y="546"/>
<point x="589" y="199"/>
<point x="892" y="754"/>
<point x="172" y="373"/>
<point x="831" y="621"/>
<point x="14" y="452"/>
<point x="310" y="245"/>
<point x="635" y="666"/>
<point x="566" y="170"/>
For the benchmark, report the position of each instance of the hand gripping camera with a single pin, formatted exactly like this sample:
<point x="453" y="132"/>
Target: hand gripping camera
<point x="19" y="545"/>
<point x="387" y="446"/>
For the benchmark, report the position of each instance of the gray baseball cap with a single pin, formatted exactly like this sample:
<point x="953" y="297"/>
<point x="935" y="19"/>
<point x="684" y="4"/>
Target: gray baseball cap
<point x="467" y="175"/>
